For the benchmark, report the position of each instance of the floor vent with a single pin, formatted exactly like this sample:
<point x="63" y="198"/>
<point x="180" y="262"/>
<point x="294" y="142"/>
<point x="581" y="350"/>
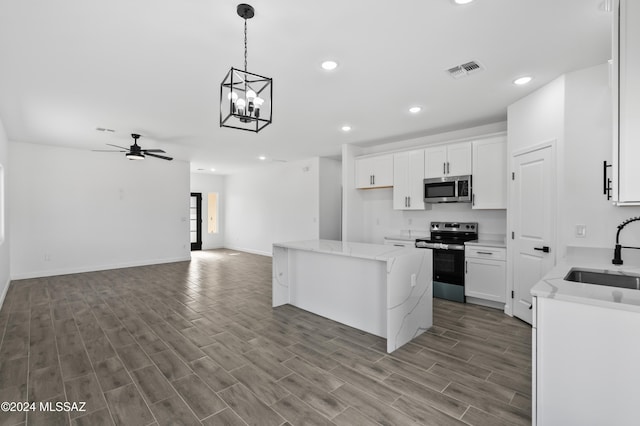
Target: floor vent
<point x="465" y="69"/>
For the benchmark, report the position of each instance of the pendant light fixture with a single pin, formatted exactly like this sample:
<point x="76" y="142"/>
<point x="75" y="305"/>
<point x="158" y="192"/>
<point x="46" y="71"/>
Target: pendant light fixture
<point x="245" y="97"/>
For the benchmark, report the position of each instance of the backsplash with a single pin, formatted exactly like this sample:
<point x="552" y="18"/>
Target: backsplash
<point x="380" y="219"/>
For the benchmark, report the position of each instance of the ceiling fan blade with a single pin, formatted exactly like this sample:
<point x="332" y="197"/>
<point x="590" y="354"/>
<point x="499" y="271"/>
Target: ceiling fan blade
<point x="158" y="156"/>
<point x="121" y="147"/>
<point x="107" y="150"/>
<point x="152" y="150"/>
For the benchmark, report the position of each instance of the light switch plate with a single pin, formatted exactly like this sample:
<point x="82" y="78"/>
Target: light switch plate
<point x="581" y="231"/>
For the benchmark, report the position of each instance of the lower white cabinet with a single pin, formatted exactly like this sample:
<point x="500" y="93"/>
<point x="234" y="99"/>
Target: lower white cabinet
<point x="400" y="243"/>
<point x="485" y="273"/>
<point x="585" y="363"/>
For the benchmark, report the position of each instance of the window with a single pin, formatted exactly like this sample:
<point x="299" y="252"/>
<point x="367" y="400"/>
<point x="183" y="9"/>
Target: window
<point x="212" y="213"/>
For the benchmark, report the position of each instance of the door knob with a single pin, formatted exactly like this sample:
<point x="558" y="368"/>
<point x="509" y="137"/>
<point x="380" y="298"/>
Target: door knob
<point x="543" y="249"/>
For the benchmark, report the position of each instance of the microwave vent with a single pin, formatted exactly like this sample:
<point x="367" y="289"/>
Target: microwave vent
<point x="465" y="69"/>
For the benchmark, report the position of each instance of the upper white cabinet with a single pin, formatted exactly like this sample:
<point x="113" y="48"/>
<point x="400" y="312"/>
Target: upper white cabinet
<point x="448" y="160"/>
<point x="408" y="176"/>
<point x="374" y="172"/>
<point x="626" y="94"/>
<point x="489" y="184"/>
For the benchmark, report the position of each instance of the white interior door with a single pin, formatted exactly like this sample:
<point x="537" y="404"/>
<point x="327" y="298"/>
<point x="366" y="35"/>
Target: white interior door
<point x="533" y="224"/>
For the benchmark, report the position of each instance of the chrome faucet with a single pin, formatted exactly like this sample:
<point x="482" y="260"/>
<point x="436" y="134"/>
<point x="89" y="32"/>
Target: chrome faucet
<point x="617" y="253"/>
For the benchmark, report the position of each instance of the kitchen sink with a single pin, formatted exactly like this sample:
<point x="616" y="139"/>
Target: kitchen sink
<point x="608" y="278"/>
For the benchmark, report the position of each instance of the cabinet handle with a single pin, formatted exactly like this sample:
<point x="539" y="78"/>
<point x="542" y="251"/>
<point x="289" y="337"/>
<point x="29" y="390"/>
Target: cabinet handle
<point x="409" y="201"/>
<point x="370" y="180"/>
<point x="606" y="181"/>
<point x="447" y="167"/>
<point x="374" y="179"/>
<point x="466" y="267"/>
<point x="444" y="168"/>
<point x="484" y="252"/>
<point x="473" y="200"/>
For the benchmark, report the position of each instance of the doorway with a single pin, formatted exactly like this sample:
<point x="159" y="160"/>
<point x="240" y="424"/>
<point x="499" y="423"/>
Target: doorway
<point x="533" y="223"/>
<point x="195" y="220"/>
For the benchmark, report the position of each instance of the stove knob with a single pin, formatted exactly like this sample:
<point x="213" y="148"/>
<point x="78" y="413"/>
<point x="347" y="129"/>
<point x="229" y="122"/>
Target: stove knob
<point x="467" y="226"/>
<point x="473" y="226"/>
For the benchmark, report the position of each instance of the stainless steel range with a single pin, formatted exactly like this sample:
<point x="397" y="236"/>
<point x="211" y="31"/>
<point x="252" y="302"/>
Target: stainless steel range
<point x="447" y="242"/>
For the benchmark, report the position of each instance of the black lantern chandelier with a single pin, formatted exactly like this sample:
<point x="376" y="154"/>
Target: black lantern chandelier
<point x="245" y="97"/>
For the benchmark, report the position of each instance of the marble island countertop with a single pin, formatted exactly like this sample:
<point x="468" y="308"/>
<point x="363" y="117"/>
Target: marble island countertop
<point x="554" y="286"/>
<point x="350" y="249"/>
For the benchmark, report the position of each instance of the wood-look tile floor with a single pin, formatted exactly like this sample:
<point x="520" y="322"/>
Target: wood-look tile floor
<point x="199" y="343"/>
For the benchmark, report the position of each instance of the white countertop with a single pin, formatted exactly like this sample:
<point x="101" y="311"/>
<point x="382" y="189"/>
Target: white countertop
<point x="487" y="243"/>
<point x="345" y="248"/>
<point x="554" y="286"/>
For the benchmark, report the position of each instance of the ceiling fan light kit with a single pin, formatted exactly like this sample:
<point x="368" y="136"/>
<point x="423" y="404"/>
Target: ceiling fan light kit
<point x="135" y="152"/>
<point x="245" y="97"/>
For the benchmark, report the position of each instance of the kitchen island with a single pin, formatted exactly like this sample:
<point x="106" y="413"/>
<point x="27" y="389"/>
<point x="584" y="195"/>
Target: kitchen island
<point x="380" y="289"/>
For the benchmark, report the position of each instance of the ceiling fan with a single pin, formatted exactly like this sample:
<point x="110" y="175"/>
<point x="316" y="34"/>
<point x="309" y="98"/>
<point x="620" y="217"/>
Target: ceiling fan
<point x="135" y="152"/>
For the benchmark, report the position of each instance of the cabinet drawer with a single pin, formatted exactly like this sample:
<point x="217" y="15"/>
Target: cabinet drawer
<point x="481" y="252"/>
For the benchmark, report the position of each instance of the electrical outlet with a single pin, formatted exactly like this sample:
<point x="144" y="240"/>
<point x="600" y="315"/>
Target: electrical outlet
<point x="581" y="231"/>
<point x="413" y="280"/>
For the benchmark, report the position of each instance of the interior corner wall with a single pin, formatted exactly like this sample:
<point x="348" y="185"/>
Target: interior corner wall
<point x="205" y="184"/>
<point x="588" y="142"/>
<point x="75" y="211"/>
<point x="274" y="203"/>
<point x="5" y="234"/>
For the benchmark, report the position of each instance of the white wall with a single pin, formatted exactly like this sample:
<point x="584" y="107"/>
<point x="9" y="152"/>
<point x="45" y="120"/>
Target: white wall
<point x="275" y="203"/>
<point x="206" y="183"/>
<point x="330" y="199"/>
<point x="380" y="219"/>
<point x="74" y="210"/>
<point x="5" y="272"/>
<point x="588" y="142"/>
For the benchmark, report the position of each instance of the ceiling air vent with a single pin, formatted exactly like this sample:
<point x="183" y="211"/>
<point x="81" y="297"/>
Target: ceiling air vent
<point x="465" y="69"/>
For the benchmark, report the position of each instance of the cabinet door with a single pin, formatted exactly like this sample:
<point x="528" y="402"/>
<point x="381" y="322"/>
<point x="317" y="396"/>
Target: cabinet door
<point x="489" y="184"/>
<point x="485" y="279"/>
<point x="627" y="102"/>
<point x="382" y="170"/>
<point x="363" y="173"/>
<point x="374" y="172"/>
<point x="408" y="177"/>
<point x="400" y="181"/>
<point x="459" y="159"/>
<point x="415" y="181"/>
<point x="435" y="160"/>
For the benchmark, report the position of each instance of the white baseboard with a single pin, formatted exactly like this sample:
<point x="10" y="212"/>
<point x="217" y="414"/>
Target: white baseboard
<point x="247" y="250"/>
<point x="4" y="292"/>
<point x="95" y="268"/>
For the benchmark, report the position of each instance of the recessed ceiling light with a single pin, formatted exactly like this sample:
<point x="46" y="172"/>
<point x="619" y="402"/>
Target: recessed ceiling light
<point x="262" y="158"/>
<point x="522" y="80"/>
<point x="213" y="170"/>
<point x="415" y="109"/>
<point x="329" y="65"/>
<point x="346" y="128"/>
<point x="462" y="1"/>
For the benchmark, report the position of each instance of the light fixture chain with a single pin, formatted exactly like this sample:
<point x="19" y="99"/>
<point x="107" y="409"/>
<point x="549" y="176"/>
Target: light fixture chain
<point x="245" y="44"/>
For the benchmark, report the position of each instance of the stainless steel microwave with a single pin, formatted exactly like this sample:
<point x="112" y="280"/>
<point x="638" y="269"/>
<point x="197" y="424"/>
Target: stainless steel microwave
<point x="448" y="189"/>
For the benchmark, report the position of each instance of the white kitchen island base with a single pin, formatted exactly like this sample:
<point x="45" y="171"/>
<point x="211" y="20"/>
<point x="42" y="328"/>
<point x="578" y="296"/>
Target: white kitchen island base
<point x="382" y="290"/>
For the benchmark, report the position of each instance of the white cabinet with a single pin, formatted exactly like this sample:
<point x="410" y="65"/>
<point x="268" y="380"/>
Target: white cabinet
<point x="400" y="243"/>
<point x="374" y="172"/>
<point x="408" y="176"/>
<point x="626" y="102"/>
<point x="485" y="273"/>
<point x="585" y="363"/>
<point x="489" y="183"/>
<point x="448" y="160"/>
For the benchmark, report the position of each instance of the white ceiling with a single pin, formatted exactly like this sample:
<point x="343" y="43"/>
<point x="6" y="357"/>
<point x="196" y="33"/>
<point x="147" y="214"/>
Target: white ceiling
<point x="154" y="67"/>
